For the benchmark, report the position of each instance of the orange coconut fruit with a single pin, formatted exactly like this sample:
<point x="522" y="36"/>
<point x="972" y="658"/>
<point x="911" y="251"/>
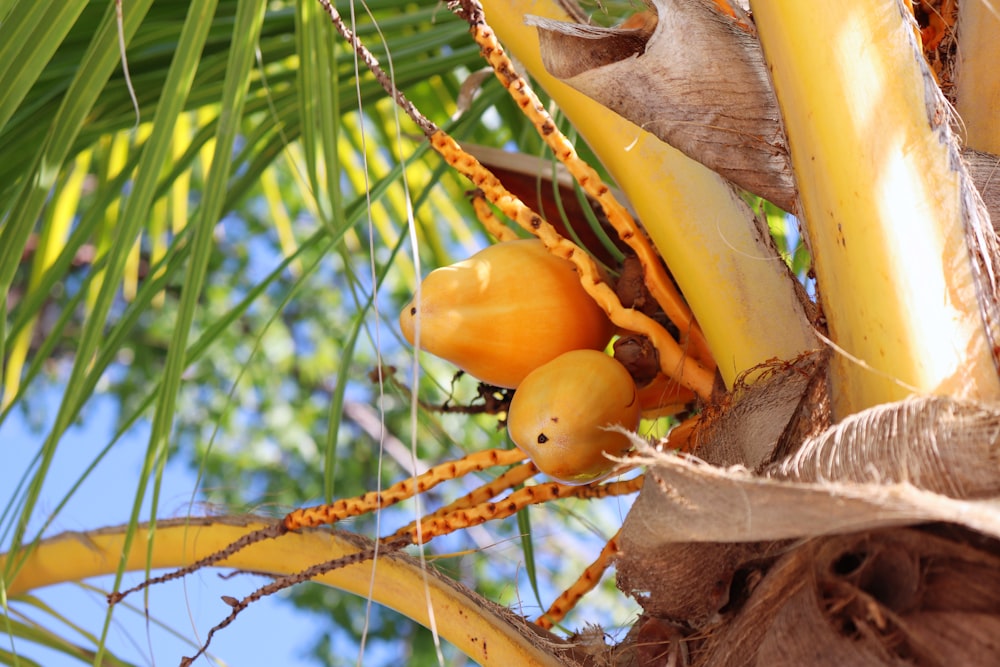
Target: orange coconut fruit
<point x="560" y="412"/>
<point x="504" y="312"/>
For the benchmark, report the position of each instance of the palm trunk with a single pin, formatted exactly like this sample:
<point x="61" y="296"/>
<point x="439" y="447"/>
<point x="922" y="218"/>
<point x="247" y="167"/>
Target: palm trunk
<point x="978" y="81"/>
<point x="887" y="203"/>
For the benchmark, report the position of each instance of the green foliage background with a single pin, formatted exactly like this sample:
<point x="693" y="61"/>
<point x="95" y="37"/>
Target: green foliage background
<point x="208" y="261"/>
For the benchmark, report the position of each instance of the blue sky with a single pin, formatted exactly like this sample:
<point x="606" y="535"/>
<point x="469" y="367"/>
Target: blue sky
<point x="270" y="632"/>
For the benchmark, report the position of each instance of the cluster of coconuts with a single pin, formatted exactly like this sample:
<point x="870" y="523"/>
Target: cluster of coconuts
<point x="515" y="316"/>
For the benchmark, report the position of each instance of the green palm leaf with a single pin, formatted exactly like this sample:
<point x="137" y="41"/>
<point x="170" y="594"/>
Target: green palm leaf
<point x="119" y="275"/>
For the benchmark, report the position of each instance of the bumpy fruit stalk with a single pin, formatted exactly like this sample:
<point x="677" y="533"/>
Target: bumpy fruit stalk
<point x="505" y="311"/>
<point x="560" y="413"/>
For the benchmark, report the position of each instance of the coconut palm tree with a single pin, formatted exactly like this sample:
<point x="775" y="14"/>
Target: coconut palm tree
<point x="187" y="181"/>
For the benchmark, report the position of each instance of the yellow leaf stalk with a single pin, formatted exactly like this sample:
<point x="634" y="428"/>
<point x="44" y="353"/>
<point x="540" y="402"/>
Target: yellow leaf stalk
<point x="485" y="632"/>
<point x="54" y="231"/>
<point x="978" y="84"/>
<point x="739" y="292"/>
<point x="883" y="200"/>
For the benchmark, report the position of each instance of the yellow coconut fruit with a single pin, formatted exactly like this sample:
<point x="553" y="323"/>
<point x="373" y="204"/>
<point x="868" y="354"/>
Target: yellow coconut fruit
<point x="559" y="413"/>
<point x="505" y="311"/>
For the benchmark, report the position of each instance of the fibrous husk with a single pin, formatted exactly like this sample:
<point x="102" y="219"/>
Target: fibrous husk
<point x="934" y="444"/>
<point x="985" y="171"/>
<point x="745" y="427"/>
<point x="925" y="596"/>
<point x="697" y="80"/>
<point x="889" y="597"/>
<point x="876" y="542"/>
